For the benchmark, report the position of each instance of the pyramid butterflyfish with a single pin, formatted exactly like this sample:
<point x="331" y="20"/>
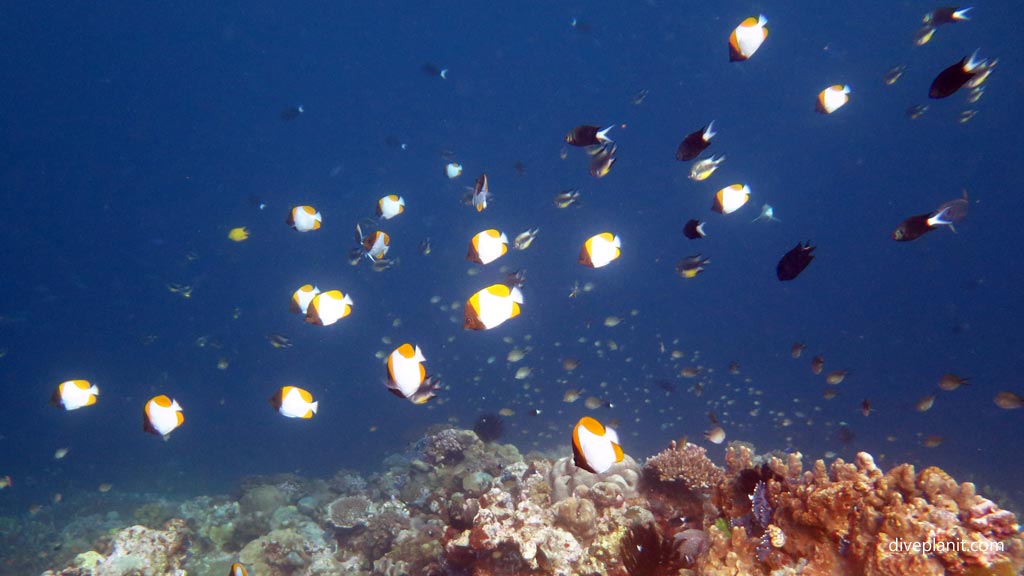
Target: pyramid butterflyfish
<point x="407" y="378"/>
<point x="302" y="297"/>
<point x="304" y="218"/>
<point x="747" y="38"/>
<point x="595" y="448"/>
<point x="600" y="249"/>
<point x="74" y="394"/>
<point x="294" y="402"/>
<point x="731" y="198"/>
<point x="833" y="98"/>
<point x="328" y="307"/>
<point x="487" y="246"/>
<point x="492" y="306"/>
<point x="390" y="206"/>
<point x="161" y="416"/>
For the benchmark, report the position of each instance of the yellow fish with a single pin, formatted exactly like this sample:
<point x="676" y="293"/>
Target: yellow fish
<point x="240" y="234"/>
<point x="703" y="169"/>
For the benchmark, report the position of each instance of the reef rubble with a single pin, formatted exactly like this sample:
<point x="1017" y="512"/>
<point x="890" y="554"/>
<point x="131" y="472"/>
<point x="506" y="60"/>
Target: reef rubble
<point x="453" y="504"/>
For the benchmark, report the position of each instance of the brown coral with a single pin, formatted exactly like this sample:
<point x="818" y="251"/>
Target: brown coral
<point x="349" y="512"/>
<point x="855" y="518"/>
<point x="686" y="464"/>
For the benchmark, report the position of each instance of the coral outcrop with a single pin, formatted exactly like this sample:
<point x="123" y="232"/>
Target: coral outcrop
<point x="137" y="550"/>
<point x="452" y="504"/>
<point x="853" y="518"/>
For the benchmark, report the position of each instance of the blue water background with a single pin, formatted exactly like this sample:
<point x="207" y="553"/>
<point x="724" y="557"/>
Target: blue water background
<point x="136" y="135"/>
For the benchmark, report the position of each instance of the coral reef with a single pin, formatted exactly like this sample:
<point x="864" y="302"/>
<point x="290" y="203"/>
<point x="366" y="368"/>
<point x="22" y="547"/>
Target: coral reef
<point x="137" y="550"/>
<point x="853" y="518"/>
<point x="453" y="504"/>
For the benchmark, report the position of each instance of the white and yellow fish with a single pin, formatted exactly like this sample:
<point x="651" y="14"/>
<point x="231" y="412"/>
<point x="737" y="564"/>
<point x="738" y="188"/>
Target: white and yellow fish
<point x="491" y="307"/>
<point x="74" y="394"/>
<point x="302" y="297"/>
<point x="304" y="218"/>
<point x="487" y="246"/>
<point x="595" y="448"/>
<point x="390" y="206"/>
<point x="833" y="98"/>
<point x="294" y="402"/>
<point x="731" y="198"/>
<point x="407" y="378"/>
<point x="600" y="249"/>
<point x="162" y="415"/>
<point x="328" y="307"/>
<point x="747" y="38"/>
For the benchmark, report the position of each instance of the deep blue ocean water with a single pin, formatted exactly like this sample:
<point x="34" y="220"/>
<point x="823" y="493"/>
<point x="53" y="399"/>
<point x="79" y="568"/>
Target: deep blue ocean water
<point x="136" y="136"/>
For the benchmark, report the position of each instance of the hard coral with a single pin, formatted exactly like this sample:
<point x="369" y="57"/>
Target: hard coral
<point x="349" y="512"/>
<point x="139" y="550"/>
<point x="686" y="464"/>
<point x="448" y="446"/>
<point x="566" y="479"/>
<point x="855" y="518"/>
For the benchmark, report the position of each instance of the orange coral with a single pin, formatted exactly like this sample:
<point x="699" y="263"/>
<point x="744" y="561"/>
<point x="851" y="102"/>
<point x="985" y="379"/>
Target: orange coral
<point x="853" y="518"/>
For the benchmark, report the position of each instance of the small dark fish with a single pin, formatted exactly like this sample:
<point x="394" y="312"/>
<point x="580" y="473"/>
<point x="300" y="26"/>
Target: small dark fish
<point x="924" y="35"/>
<point x="515" y="279"/>
<point x="279" y="341"/>
<point x="291" y="113"/>
<point x="950" y="382"/>
<point x="794" y="262"/>
<point x="844" y="435"/>
<point x="667" y="386"/>
<point x="916" y="111"/>
<point x="947" y="15"/>
<point x="693" y="229"/>
<point x="952" y="78"/>
<point x="601" y="163"/>
<point x="695" y="143"/>
<point x="585" y="135"/>
<point x="893" y="74"/>
<point x="691" y="266"/>
<point x="913" y="228"/>
<point x="567" y="198"/>
<point x="865" y="407"/>
<point x="1009" y="400"/>
<point x="580" y="26"/>
<point x="817" y="364"/>
<point x="394" y="142"/>
<point x="520" y="168"/>
<point x="734" y="367"/>
<point x="431" y="69"/>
